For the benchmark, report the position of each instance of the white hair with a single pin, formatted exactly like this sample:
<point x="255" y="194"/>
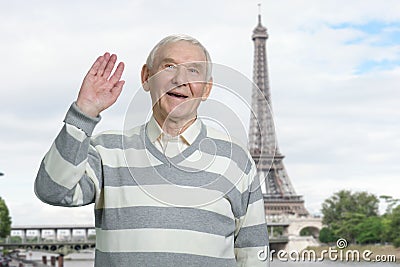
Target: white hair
<point x="176" y="38"/>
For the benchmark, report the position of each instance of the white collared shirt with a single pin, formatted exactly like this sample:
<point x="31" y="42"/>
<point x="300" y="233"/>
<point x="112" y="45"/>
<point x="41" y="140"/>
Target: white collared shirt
<point x="172" y="145"/>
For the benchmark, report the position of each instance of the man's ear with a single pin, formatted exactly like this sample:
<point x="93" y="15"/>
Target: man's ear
<point x="145" y="77"/>
<point x="207" y="90"/>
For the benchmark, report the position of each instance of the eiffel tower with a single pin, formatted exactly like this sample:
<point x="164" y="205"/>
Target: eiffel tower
<point x="280" y="198"/>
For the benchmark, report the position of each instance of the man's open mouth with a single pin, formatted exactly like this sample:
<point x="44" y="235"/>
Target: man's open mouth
<point x="176" y="95"/>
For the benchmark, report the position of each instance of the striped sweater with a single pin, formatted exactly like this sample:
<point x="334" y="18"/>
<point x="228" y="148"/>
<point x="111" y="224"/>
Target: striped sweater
<point x="203" y="207"/>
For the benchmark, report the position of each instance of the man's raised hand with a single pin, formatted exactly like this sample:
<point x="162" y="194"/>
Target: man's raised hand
<point x="100" y="89"/>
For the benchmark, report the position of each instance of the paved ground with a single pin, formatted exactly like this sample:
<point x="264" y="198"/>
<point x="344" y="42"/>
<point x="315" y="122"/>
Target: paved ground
<point x="14" y="263"/>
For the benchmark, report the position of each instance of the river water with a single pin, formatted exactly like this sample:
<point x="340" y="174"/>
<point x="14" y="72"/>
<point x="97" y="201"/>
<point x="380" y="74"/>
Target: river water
<point x="85" y="259"/>
<point x="275" y="264"/>
<point x="332" y="264"/>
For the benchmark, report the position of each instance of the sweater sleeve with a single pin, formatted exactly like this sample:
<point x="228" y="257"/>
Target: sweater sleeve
<point x="251" y="234"/>
<point x="70" y="173"/>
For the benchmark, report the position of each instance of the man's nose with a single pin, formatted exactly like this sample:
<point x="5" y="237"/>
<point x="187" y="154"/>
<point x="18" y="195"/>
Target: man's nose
<point x="180" y="77"/>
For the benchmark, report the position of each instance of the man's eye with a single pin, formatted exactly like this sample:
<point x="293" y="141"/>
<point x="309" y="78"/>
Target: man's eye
<point x="193" y="70"/>
<point x="169" y="66"/>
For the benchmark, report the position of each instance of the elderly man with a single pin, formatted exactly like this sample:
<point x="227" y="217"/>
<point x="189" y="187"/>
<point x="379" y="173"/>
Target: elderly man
<point x="171" y="192"/>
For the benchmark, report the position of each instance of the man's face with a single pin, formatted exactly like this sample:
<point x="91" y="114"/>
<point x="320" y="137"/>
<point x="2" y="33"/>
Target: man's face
<point x="177" y="81"/>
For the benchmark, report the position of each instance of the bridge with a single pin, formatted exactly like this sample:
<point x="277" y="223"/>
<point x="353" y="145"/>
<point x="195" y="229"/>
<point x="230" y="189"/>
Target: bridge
<point x="57" y="247"/>
<point x="62" y="239"/>
<point x="287" y="232"/>
<point x="54" y="232"/>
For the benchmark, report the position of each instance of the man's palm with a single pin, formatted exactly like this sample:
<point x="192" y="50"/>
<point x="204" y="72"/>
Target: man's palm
<point x="100" y="89"/>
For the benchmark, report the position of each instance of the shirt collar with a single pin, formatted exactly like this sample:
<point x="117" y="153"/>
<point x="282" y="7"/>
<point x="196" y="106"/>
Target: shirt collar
<point x="154" y="131"/>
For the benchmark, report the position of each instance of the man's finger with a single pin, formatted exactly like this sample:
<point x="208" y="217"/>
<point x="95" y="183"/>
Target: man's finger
<point x="110" y="66"/>
<point x="95" y="67"/>
<point x="118" y="73"/>
<point x="103" y="64"/>
<point x="116" y="90"/>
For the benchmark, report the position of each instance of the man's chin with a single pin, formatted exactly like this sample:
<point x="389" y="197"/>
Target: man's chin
<point x="180" y="115"/>
<point x="177" y="116"/>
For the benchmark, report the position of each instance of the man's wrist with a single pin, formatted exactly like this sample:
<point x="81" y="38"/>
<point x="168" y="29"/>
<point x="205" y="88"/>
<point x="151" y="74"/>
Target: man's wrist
<point x="87" y="110"/>
<point x="81" y="120"/>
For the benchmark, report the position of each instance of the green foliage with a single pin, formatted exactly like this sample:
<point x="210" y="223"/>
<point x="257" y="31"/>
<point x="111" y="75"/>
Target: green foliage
<point x="5" y="219"/>
<point x="391" y="202"/>
<point x="354" y="216"/>
<point x="15" y="239"/>
<point x="394" y="226"/>
<point x="386" y="234"/>
<point x="309" y="231"/>
<point x="326" y="235"/>
<point x="396" y="242"/>
<point x="370" y="230"/>
<point x="345" y="212"/>
<point x="306" y="232"/>
<point x="344" y="202"/>
<point x="275" y="231"/>
<point x="347" y="228"/>
<point x="33" y="239"/>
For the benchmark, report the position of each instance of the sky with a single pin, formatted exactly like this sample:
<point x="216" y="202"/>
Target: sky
<point x="334" y="71"/>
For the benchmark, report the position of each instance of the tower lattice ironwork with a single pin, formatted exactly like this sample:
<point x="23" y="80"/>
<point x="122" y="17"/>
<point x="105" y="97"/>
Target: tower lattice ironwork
<point x="280" y="197"/>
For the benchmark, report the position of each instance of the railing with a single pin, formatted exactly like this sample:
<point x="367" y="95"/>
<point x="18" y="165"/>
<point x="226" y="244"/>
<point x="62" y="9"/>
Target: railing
<point x="279" y="240"/>
<point x="61" y="247"/>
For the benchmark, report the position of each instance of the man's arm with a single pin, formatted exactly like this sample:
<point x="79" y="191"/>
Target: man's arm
<point x="251" y="234"/>
<point x="70" y="173"/>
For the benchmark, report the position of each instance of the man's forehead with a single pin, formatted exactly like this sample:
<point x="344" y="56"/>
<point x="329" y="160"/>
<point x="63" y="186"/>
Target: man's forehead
<point x="180" y="51"/>
<point x="188" y="63"/>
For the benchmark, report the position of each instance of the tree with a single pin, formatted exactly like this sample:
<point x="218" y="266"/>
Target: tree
<point x="5" y="220"/>
<point x="344" y="211"/>
<point x="390" y="221"/>
<point x="395" y="226"/>
<point x="326" y="235"/>
<point x="390" y="201"/>
<point x="386" y="231"/>
<point x="344" y="201"/>
<point x="16" y="239"/>
<point x="347" y="227"/>
<point x="370" y="230"/>
<point x="307" y="231"/>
